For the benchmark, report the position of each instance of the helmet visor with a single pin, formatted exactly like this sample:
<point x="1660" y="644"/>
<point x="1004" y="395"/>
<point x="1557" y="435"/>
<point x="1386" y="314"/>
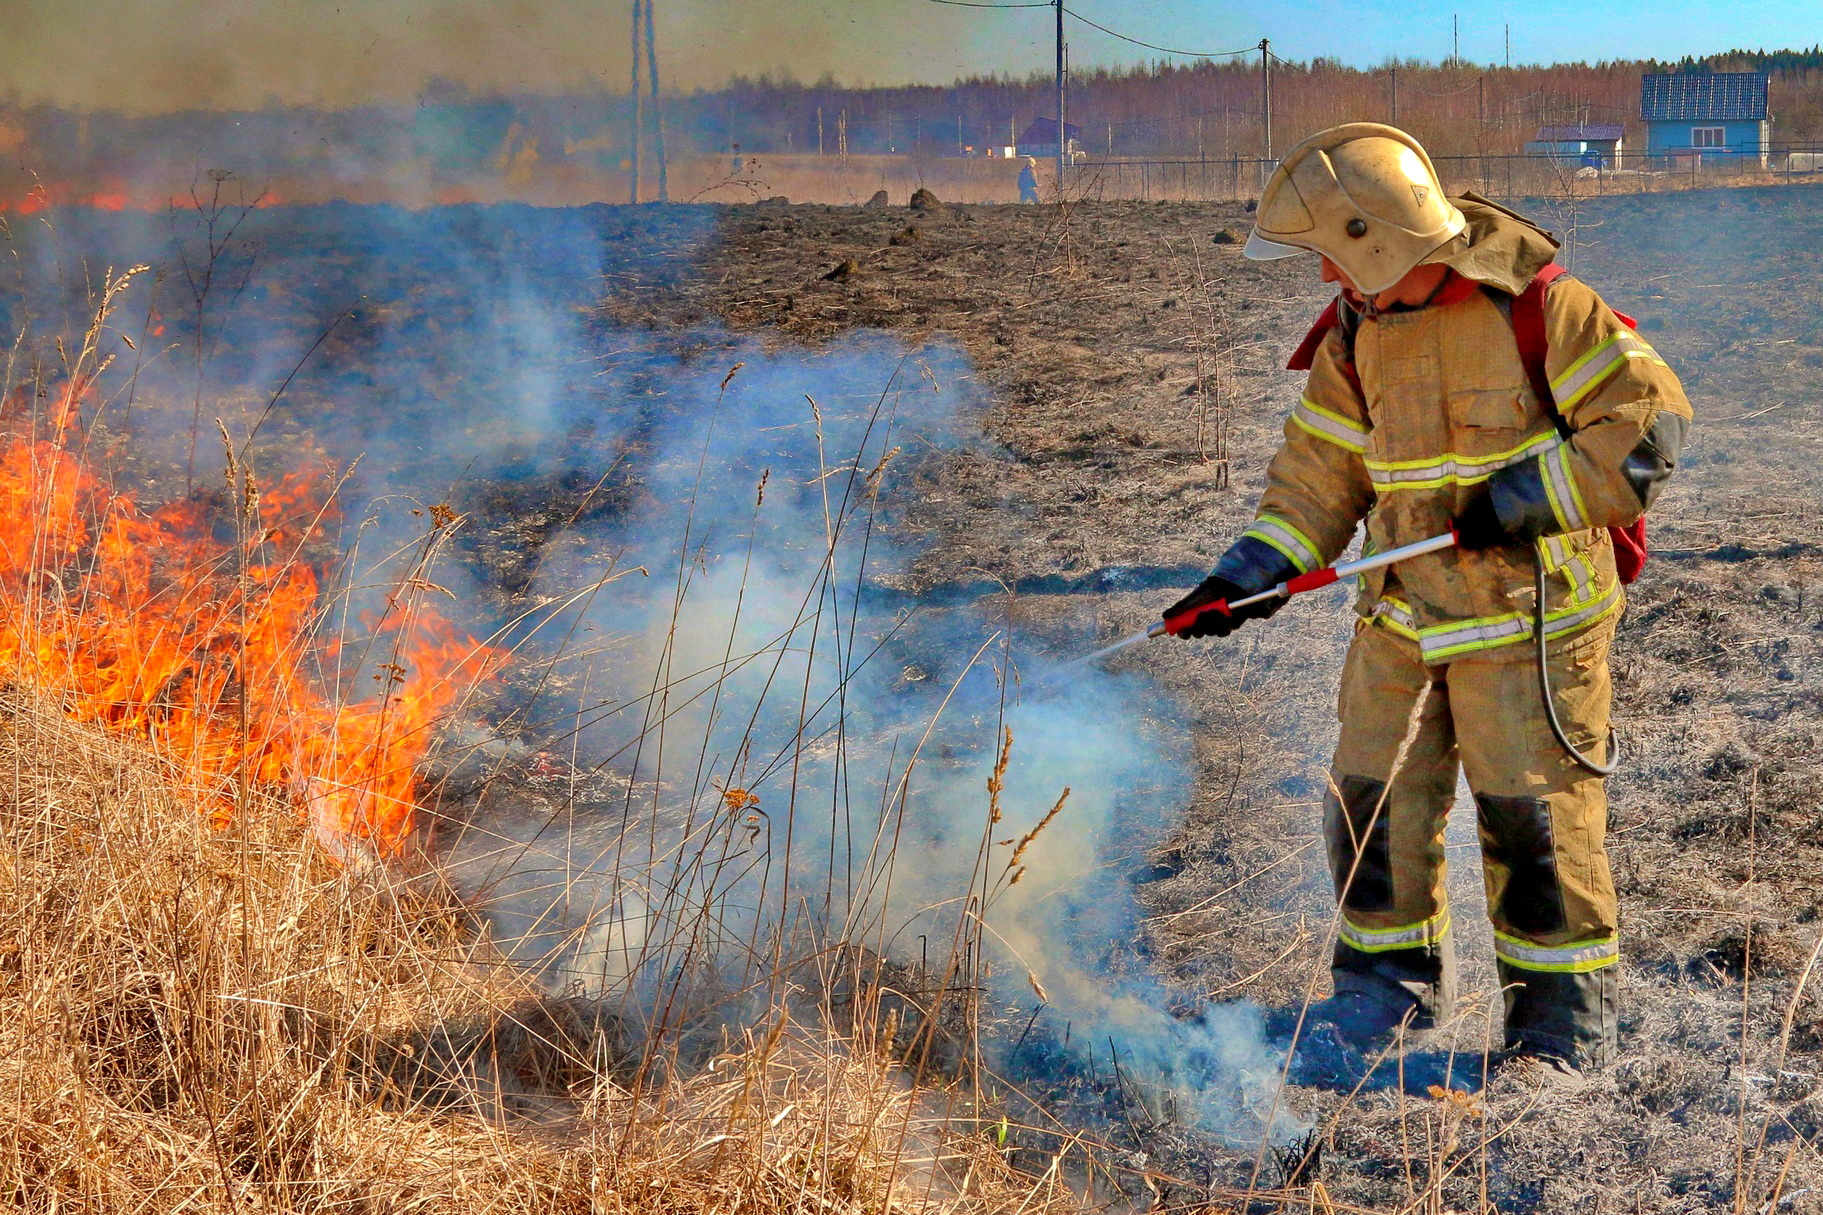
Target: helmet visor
<point x="1260" y="249"/>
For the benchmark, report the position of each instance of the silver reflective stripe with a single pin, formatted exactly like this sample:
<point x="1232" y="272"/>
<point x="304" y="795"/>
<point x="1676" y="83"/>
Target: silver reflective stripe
<point x="1560" y="487"/>
<point x="1561" y="623"/>
<point x="1447" y="640"/>
<point x="1580" y="377"/>
<point x="1579" y="958"/>
<point x="1576" y="571"/>
<point x="1288" y="540"/>
<point x="1453" y="469"/>
<point x="1408" y="936"/>
<point x="1326" y="424"/>
<point x="1442" y="641"/>
<point x="1397" y="617"/>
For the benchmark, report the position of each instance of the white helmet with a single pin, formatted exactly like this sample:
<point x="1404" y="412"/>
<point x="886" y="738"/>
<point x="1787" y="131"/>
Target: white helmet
<point x="1363" y="195"/>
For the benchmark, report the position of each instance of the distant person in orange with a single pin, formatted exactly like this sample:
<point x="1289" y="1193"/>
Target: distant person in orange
<point x="1028" y="181"/>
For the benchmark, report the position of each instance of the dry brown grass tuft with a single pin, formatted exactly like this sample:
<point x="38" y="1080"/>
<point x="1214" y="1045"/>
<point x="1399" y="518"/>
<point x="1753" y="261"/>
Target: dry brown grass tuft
<point x="203" y="1020"/>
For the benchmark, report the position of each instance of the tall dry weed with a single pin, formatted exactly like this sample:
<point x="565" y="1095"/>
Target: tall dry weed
<point x="196" y="1019"/>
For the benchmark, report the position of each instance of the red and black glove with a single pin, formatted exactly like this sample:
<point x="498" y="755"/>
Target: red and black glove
<point x="1216" y="622"/>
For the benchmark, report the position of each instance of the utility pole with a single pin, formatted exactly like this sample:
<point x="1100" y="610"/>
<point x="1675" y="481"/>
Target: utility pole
<point x="658" y="112"/>
<point x="1455" y="38"/>
<point x="638" y="116"/>
<point x="819" y="130"/>
<point x="1481" y="128"/>
<point x="1062" y="140"/>
<point x="1395" y="75"/>
<point x="1509" y="44"/>
<point x="1266" y="96"/>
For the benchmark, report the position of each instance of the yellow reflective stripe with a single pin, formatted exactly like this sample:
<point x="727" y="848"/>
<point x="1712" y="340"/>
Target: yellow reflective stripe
<point x="1556" y="553"/>
<point x="1294" y="544"/>
<point x="1579" y="958"/>
<point x="1397" y="617"/>
<point x="1406" y="936"/>
<point x="1453" y="469"/>
<point x="1580" y="378"/>
<point x="1488" y="632"/>
<point x="1581" y="575"/>
<point x="1327" y="424"/>
<point x="1569" y="475"/>
<point x="1451" y="640"/>
<point x="1560" y="487"/>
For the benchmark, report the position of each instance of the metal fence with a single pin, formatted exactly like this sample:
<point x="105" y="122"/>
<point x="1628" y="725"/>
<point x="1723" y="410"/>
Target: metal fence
<point x="1507" y="176"/>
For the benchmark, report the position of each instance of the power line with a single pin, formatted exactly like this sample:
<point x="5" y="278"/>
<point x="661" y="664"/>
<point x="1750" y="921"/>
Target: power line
<point x="1151" y="46"/>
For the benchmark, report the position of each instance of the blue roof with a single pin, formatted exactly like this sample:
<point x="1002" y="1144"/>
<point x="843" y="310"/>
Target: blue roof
<point x="1703" y="96"/>
<point x="1044" y="130"/>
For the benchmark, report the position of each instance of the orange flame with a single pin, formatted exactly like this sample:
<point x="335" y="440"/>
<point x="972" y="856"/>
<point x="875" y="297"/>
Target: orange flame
<point x="149" y="620"/>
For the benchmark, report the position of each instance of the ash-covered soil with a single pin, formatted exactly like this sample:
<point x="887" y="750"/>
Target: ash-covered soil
<point x="1131" y="359"/>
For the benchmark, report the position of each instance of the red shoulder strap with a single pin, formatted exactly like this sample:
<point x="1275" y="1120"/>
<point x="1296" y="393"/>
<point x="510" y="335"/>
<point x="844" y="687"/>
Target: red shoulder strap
<point x="1529" y="332"/>
<point x="1305" y="356"/>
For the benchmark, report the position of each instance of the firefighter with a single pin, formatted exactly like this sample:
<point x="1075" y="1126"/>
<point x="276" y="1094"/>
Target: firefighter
<point x="1419" y="415"/>
<point x="1028" y="181"/>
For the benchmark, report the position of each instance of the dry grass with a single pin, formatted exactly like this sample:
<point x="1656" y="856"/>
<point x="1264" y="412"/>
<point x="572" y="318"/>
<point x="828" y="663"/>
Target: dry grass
<point x="203" y="1020"/>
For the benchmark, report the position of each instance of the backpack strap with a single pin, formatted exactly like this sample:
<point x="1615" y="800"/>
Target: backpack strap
<point x="1339" y="315"/>
<point x="1527" y="315"/>
<point x="1305" y="356"/>
<point x="1529" y="331"/>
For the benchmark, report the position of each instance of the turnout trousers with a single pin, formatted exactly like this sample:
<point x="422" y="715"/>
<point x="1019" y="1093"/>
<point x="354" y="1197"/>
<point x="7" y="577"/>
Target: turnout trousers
<point x="1542" y="819"/>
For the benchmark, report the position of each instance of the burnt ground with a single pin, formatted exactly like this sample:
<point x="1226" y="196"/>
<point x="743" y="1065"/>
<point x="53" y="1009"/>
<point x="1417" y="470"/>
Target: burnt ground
<point x="1127" y="353"/>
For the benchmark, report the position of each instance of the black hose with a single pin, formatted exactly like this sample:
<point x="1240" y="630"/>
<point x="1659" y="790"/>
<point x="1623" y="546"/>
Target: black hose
<point x="1544" y="681"/>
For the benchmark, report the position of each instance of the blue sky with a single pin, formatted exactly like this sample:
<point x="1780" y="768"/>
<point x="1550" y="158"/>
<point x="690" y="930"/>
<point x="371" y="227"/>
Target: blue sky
<point x="145" y="55"/>
<point x="1367" y="33"/>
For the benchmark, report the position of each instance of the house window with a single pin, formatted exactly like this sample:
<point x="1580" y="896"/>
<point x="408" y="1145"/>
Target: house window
<point x="1708" y="137"/>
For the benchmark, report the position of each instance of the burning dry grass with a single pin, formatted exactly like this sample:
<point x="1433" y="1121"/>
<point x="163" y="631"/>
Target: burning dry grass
<point x="196" y="1019"/>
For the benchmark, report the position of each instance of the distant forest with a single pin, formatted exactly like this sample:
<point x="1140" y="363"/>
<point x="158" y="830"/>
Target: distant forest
<point x="1199" y="109"/>
<point x="1213" y="108"/>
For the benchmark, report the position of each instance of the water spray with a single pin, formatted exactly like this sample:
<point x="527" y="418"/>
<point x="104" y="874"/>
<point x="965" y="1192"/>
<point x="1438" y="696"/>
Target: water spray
<point x="1175" y="625"/>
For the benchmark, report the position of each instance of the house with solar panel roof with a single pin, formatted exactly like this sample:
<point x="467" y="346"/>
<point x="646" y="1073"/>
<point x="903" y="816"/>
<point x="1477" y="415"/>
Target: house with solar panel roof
<point x="1705" y="114"/>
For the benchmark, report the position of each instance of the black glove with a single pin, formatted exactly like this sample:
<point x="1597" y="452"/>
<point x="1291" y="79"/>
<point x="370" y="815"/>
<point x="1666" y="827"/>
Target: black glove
<point x="1216" y="623"/>
<point x="1478" y="526"/>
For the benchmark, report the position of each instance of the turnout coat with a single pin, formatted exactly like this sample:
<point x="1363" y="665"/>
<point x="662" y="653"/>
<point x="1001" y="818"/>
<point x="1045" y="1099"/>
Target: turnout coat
<point x="1408" y="413"/>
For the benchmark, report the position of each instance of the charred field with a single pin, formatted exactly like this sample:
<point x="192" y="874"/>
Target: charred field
<point x="907" y="462"/>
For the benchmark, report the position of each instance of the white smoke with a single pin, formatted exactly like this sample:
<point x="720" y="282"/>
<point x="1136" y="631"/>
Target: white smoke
<point x="735" y="737"/>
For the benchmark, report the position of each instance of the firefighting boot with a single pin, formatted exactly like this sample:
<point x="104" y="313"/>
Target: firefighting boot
<point x="1540" y="1073"/>
<point x="1568" y="1017"/>
<point x="1340" y="1035"/>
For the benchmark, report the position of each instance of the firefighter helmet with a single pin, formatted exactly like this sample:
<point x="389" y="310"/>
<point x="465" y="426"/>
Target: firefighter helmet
<point x="1365" y="196"/>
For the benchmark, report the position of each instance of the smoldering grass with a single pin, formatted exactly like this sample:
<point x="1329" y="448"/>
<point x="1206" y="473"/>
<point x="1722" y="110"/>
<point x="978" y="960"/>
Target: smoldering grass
<point x="258" y="1060"/>
<point x="202" y="1017"/>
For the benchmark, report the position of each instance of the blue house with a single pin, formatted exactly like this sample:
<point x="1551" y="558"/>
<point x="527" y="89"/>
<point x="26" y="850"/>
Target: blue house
<point x="1705" y="114"/>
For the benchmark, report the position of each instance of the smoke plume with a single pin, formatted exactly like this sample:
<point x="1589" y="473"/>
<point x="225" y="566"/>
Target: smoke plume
<point x="734" y="738"/>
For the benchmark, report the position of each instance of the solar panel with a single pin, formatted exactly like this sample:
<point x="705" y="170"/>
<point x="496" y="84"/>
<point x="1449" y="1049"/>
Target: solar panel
<point x="1703" y="96"/>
